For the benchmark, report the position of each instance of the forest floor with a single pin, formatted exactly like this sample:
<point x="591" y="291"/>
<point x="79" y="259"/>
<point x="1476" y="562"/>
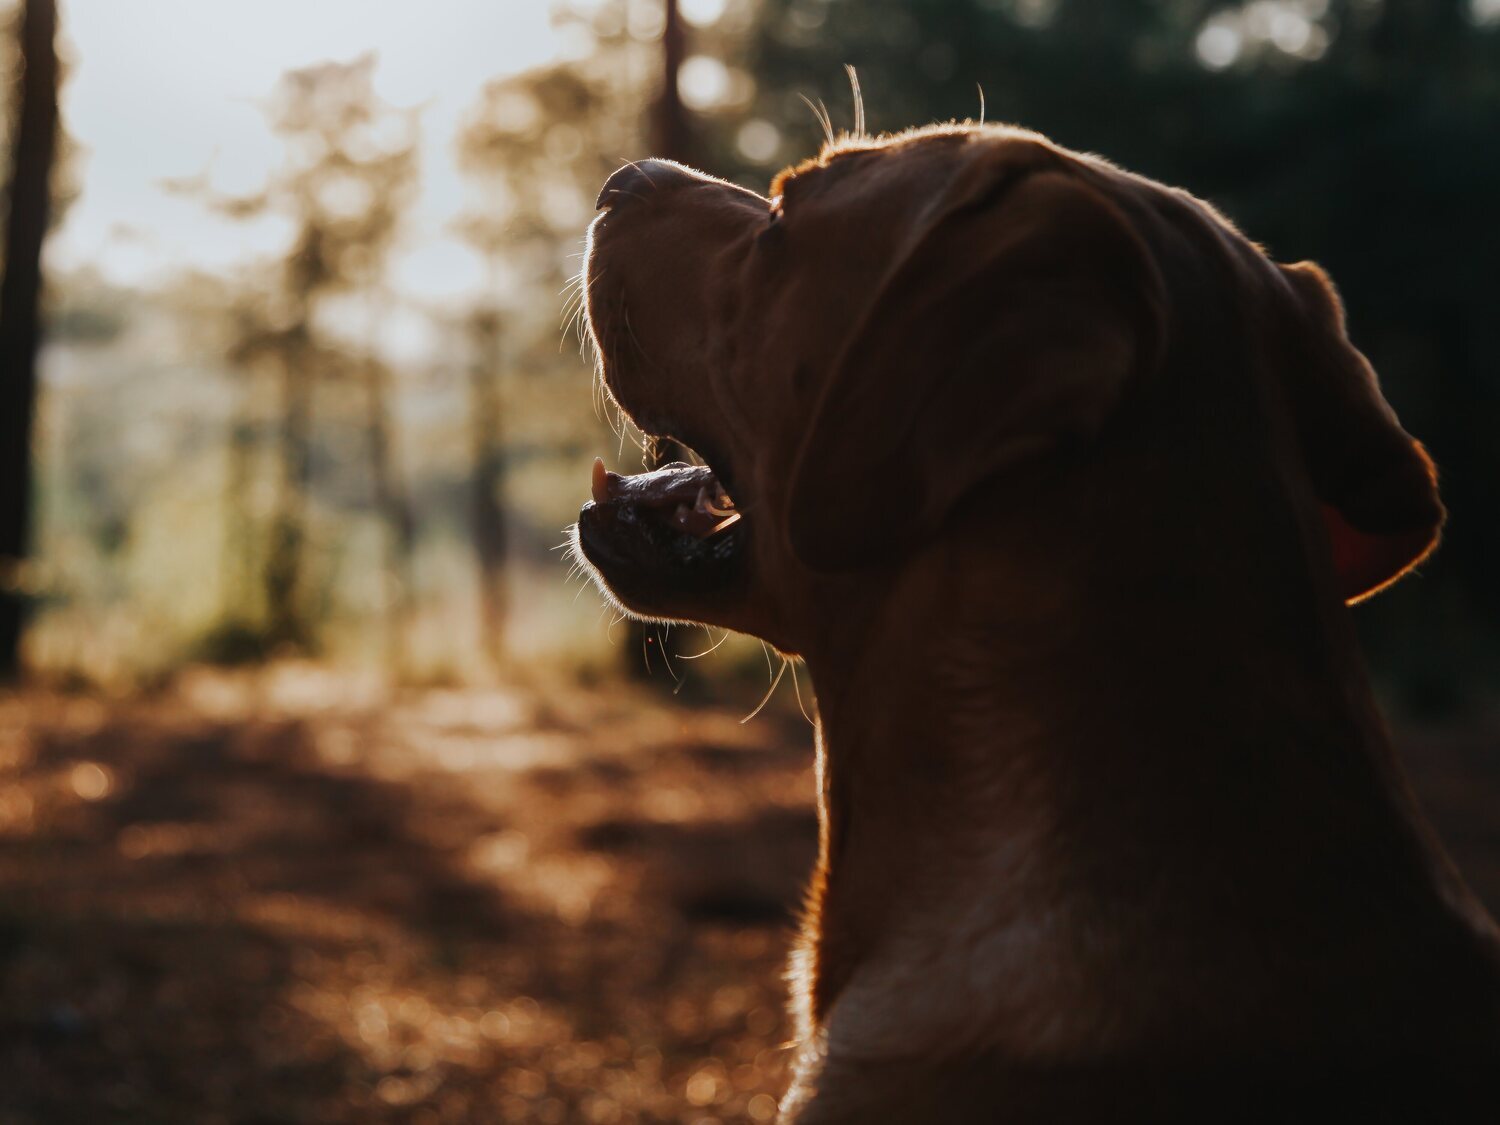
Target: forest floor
<point x="278" y="900"/>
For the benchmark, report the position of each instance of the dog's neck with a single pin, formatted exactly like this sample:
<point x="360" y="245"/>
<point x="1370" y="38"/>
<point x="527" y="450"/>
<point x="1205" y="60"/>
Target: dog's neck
<point x="1098" y="808"/>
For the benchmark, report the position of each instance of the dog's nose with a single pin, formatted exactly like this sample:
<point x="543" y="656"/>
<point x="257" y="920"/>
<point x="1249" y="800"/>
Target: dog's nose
<point x="637" y="180"/>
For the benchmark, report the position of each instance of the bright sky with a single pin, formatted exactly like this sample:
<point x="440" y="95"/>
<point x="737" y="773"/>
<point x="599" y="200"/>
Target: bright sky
<point x="169" y="88"/>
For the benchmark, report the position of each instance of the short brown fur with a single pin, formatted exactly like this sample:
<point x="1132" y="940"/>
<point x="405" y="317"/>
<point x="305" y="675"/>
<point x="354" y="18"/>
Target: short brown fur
<point x="1060" y="488"/>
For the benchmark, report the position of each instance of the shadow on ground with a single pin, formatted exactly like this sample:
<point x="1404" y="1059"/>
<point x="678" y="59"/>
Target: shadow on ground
<point x="445" y="911"/>
<point x="462" y="907"/>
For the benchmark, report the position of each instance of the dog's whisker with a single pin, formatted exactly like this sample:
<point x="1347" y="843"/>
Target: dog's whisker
<point x="623" y="191"/>
<point x="646" y="651"/>
<point x="639" y="169"/>
<point x="711" y="648"/>
<point x="859" y="105"/>
<point x="821" y="118"/>
<point x="574" y="321"/>
<point x="770" y="691"/>
<point x="666" y="657"/>
<point x="634" y="339"/>
<point x="797" y="687"/>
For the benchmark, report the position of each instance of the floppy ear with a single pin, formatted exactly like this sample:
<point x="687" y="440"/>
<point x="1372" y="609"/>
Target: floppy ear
<point x="1377" y="486"/>
<point x="1008" y="328"/>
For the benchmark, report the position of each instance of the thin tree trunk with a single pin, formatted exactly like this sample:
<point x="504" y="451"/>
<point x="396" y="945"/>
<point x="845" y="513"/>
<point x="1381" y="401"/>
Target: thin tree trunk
<point x="395" y="513"/>
<point x="487" y="512"/>
<point x="20" y="299"/>
<point x="237" y="566"/>
<point x="671" y="134"/>
<point x="286" y="623"/>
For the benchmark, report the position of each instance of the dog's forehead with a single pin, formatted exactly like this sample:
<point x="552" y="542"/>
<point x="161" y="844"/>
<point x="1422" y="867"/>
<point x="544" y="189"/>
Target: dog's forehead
<point x="847" y="154"/>
<point x="932" y="150"/>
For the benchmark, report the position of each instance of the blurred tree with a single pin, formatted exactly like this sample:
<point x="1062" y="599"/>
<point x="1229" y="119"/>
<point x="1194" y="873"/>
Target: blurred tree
<point x="535" y="147"/>
<point x="250" y="341"/>
<point x="487" y="450"/>
<point x="350" y="174"/>
<point x="392" y="501"/>
<point x="671" y="130"/>
<point x="33" y="151"/>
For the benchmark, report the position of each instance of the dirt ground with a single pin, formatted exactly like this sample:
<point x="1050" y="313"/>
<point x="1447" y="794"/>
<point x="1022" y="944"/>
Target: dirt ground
<point x="281" y="901"/>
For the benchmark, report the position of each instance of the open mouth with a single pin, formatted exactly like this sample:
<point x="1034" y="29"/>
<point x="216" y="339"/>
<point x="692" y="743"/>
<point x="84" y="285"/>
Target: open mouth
<point x="659" y="535"/>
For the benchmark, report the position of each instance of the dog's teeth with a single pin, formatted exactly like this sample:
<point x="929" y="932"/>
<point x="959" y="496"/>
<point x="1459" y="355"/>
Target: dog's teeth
<point x="682" y="517"/>
<point x="720" y="505"/>
<point x="600" y="481"/>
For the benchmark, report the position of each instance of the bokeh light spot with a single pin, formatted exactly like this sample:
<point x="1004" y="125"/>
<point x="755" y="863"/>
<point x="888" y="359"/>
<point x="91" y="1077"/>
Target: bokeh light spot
<point x="90" y="781"/>
<point x="758" y="140"/>
<point x="702" y="13"/>
<point x="703" y="82"/>
<point x="1218" y="45"/>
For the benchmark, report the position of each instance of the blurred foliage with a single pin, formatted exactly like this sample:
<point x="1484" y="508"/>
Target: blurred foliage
<point x="418" y="489"/>
<point x="350" y="171"/>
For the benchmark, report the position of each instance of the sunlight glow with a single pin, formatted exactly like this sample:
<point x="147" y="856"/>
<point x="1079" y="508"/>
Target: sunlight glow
<point x="1290" y="27"/>
<point x="702" y="13"/>
<point x="124" y="104"/>
<point x="703" y="82"/>
<point x="1219" y="44"/>
<point x="758" y="140"/>
<point x="90" y="781"/>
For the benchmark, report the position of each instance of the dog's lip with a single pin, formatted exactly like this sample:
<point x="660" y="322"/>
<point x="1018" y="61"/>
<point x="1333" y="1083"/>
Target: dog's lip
<point x="689" y="497"/>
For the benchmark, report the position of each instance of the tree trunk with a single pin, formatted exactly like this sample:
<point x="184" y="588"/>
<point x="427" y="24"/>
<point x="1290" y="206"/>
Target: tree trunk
<point x="671" y="135"/>
<point x="20" y="299"/>
<point x="286" y="622"/>
<point x="395" y="513"/>
<point x="486" y="511"/>
<point x="237" y="566"/>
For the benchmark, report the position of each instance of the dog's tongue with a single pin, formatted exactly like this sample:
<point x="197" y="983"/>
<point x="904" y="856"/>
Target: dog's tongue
<point x="689" y="495"/>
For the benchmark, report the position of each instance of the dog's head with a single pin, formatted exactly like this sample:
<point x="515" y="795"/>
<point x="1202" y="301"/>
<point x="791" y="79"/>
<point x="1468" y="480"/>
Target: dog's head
<point x="906" y="323"/>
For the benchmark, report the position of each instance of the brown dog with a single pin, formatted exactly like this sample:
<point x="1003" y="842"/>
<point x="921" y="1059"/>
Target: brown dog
<point x="1059" y="487"/>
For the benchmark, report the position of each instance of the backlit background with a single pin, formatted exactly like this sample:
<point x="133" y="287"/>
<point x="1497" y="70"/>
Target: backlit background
<point x="326" y="793"/>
